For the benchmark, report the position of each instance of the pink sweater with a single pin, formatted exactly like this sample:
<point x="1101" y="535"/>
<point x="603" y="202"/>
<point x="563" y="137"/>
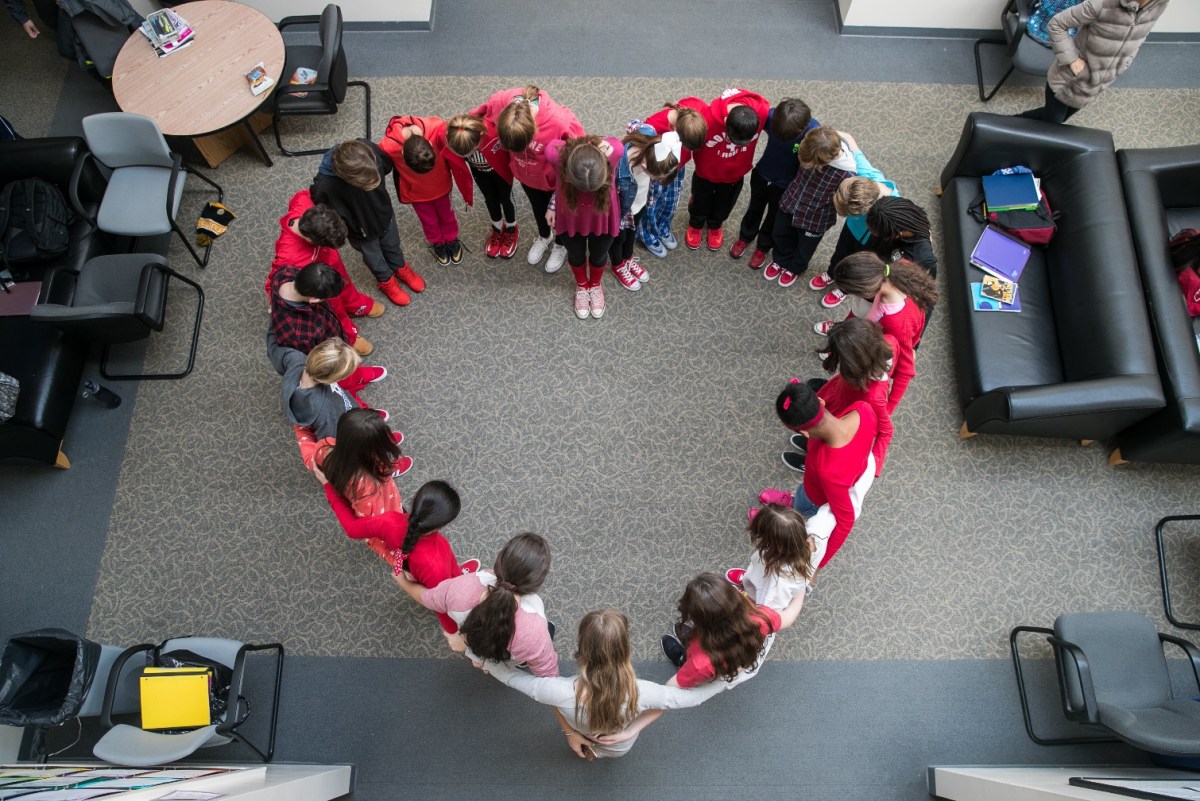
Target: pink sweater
<point x="552" y="120"/>
<point x="531" y="639"/>
<point x="583" y="220"/>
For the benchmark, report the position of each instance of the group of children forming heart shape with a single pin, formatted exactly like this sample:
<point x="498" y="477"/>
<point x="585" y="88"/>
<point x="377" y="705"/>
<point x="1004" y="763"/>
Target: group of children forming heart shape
<point x="592" y="198"/>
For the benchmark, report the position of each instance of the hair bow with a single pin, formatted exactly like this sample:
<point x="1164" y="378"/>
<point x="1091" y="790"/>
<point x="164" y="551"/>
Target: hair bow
<point x="669" y="143"/>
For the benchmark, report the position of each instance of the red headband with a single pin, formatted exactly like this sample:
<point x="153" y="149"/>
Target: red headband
<point x="813" y="422"/>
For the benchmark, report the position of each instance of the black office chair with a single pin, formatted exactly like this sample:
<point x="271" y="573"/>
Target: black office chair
<point x="124" y="744"/>
<point x="115" y="299"/>
<point x="329" y="61"/>
<point x="1113" y="678"/>
<point x="1024" y="52"/>
<point x="1159" y="534"/>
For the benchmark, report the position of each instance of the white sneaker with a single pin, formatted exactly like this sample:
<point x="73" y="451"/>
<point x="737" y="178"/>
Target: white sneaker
<point x="558" y="257"/>
<point x="538" y="250"/>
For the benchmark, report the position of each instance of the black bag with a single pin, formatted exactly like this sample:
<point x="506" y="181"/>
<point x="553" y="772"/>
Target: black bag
<point x="35" y="221"/>
<point x="218" y="685"/>
<point x="1185" y="248"/>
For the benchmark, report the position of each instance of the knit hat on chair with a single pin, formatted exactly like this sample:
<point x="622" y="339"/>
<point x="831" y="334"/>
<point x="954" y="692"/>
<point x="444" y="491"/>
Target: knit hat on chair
<point x="214" y="221"/>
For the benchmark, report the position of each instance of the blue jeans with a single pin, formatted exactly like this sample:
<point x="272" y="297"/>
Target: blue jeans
<point x="802" y="504"/>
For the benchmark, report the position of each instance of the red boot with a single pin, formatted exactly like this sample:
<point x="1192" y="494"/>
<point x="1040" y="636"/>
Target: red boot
<point x="391" y="288"/>
<point x="409" y="276"/>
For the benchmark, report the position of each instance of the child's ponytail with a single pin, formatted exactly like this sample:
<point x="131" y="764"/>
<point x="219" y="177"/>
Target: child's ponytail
<point x="521" y="567"/>
<point x="658" y="154"/>
<point x="515" y="126"/>
<point x="435" y="505"/>
<point x="464" y="133"/>
<point x="690" y="125"/>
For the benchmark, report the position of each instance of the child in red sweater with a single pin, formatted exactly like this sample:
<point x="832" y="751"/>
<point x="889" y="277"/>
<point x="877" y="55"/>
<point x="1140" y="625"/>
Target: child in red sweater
<point x="734" y="122"/>
<point x="473" y="141"/>
<point x="424" y="178"/>
<point x="859" y="355"/>
<point x="411" y="542"/>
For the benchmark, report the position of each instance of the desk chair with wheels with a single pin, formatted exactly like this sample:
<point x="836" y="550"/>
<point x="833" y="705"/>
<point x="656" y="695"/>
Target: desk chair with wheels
<point x="1024" y="52"/>
<point x="123" y="744"/>
<point x="1112" y="674"/>
<point x="146" y="184"/>
<point x="115" y="299"/>
<point x="1159" y="532"/>
<point x="329" y="60"/>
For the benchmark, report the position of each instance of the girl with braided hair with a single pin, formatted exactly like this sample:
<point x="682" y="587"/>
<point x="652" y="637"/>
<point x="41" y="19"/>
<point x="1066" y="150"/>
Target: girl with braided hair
<point x="498" y="612"/>
<point x="900" y="230"/>
<point x="898" y="296"/>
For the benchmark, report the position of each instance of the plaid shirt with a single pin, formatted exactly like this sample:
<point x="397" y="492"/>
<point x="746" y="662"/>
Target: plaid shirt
<point x="300" y="326"/>
<point x="809" y="198"/>
<point x="660" y="208"/>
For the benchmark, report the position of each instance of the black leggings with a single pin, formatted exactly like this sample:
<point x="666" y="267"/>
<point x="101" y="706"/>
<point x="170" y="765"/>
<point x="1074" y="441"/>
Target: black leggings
<point x="592" y="248"/>
<point x="539" y="200"/>
<point x="622" y="245"/>
<point x="497" y="194"/>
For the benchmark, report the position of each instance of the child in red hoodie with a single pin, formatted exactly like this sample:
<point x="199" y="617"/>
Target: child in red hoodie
<point x="473" y="142"/>
<point x="527" y="120"/>
<point x="735" y="120"/>
<point x="313" y="232"/>
<point x="424" y="178"/>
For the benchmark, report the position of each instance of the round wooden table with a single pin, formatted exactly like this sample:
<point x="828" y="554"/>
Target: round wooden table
<point x="201" y="89"/>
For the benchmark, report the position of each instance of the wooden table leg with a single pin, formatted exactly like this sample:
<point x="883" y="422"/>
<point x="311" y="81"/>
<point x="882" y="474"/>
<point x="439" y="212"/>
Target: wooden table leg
<point x="964" y="432"/>
<point x="62" y="462"/>
<point x="215" y="148"/>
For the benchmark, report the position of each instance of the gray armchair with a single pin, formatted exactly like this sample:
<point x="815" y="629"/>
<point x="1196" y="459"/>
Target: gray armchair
<point x="1024" y="52"/>
<point x="125" y="744"/>
<point x="146" y="183"/>
<point x="112" y="300"/>
<point x="1112" y="674"/>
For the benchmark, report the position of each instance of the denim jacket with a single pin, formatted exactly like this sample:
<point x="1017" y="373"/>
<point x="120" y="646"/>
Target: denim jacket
<point x="626" y="183"/>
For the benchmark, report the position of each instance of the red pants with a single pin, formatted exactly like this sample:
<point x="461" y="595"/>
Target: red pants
<point x="437" y="220"/>
<point x="355" y="303"/>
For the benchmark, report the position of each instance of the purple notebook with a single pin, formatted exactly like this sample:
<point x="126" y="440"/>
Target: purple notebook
<point x="1000" y="254"/>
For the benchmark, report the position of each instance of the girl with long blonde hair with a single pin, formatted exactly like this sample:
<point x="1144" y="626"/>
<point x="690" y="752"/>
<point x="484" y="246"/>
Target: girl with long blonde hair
<point x="606" y="696"/>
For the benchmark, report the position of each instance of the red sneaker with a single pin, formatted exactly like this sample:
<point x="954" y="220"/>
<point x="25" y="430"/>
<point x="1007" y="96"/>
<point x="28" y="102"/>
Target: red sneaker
<point x="757" y="258"/>
<point x="822" y="281"/>
<point x="508" y="241"/>
<point x="739" y="247"/>
<point x="776" y="496"/>
<point x="639" y="272"/>
<point x="786" y="278"/>
<point x="627" y="279"/>
<point x="391" y="289"/>
<point x="692" y="237"/>
<point x="491" y="248"/>
<point x="401" y="466"/>
<point x="409" y="276"/>
<point x="373" y="374"/>
<point x="772" y="272"/>
<point x="383" y="413"/>
<point x="398" y="437"/>
<point x="470" y="566"/>
<point x="734" y="576"/>
<point x="716" y="238"/>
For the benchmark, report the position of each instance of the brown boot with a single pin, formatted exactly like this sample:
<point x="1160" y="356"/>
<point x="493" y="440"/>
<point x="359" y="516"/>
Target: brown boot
<point x="376" y="309"/>
<point x="391" y="288"/>
<point x="409" y="276"/>
<point x="362" y="347"/>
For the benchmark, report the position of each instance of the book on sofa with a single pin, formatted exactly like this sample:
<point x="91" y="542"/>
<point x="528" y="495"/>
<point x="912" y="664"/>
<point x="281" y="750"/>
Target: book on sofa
<point x="980" y="301"/>
<point x="1001" y="255"/>
<point x="1011" y="191"/>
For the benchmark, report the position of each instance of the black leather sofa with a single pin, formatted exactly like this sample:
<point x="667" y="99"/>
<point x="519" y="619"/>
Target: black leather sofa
<point x="1162" y="196"/>
<point x="1078" y="362"/>
<point x="48" y="365"/>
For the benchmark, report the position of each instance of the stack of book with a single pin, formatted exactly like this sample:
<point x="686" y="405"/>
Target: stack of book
<point x="167" y="32"/>
<point x="1018" y="191"/>
<point x="1003" y="258"/>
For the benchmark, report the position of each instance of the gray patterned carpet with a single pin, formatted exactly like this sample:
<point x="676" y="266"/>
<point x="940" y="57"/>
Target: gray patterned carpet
<point x="634" y="443"/>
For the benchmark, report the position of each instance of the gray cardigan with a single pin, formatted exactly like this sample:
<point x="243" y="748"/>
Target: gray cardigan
<point x="319" y="407"/>
<point x="1109" y="35"/>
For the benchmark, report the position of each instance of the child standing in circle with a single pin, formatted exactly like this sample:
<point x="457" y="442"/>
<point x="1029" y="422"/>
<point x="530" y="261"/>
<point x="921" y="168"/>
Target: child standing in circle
<point x="860" y="357"/>
<point x="424" y="178"/>
<point x="786" y="125"/>
<point x="527" y="120"/>
<point x="648" y="159"/>
<point x="685" y="118"/>
<point x="734" y="121"/>
<point x="783" y="561"/>
<point x="358" y="464"/>
<point x="350" y="180"/>
<point x="473" y="141"/>
<point x="585" y="212"/>
<point x="899" y="297"/>
<point x="806" y="209"/>
<point x="498" y="612"/>
<point x="319" y="388"/>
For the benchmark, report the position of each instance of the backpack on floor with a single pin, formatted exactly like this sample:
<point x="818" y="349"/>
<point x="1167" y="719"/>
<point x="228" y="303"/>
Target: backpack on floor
<point x="35" y="221"/>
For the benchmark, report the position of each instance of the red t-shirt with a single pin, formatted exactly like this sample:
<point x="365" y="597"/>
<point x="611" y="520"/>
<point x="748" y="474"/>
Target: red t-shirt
<point x="698" y="668"/>
<point x="830" y="472"/>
